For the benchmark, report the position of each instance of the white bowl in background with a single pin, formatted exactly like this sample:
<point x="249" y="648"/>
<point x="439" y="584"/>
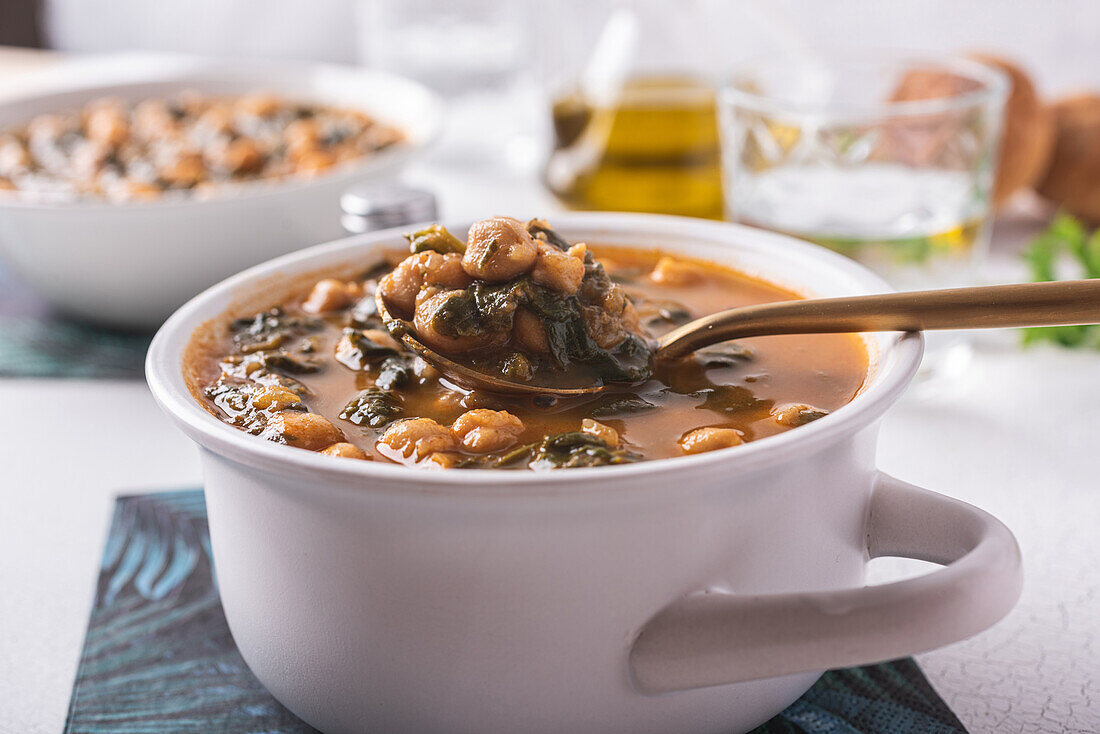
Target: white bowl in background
<point x="130" y="264"/>
<point x="699" y="595"/>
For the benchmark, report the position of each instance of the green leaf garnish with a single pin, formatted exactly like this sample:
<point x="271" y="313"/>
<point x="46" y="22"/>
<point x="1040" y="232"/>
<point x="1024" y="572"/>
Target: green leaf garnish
<point x="1065" y="239"/>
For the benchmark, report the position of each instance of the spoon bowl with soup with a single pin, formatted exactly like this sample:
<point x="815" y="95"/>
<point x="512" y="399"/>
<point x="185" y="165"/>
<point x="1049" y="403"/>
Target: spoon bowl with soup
<point x="518" y="310"/>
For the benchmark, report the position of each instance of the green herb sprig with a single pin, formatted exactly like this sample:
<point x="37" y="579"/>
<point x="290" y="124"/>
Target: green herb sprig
<point x="1066" y="238"/>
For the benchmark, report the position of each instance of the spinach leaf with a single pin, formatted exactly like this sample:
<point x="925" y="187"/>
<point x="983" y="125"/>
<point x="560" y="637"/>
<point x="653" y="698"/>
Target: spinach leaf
<point x="725" y="354"/>
<point x="630" y="361"/>
<point x="364" y="314"/>
<point x="356" y="350"/>
<point x="540" y="229"/>
<point x="509" y="457"/>
<point x="395" y="372"/>
<point x="435" y="238"/>
<point x="372" y="407"/>
<point x="656" y="314"/>
<point x="271" y="329"/>
<point x="517" y="367"/>
<point x="480" y="309"/>
<point x="280" y="360"/>
<point x="235" y="400"/>
<point x="731" y="399"/>
<point x="577" y="449"/>
<point x="616" y="405"/>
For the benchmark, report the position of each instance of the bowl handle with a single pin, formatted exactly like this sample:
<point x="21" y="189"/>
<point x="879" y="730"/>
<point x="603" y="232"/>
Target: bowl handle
<point x="713" y="639"/>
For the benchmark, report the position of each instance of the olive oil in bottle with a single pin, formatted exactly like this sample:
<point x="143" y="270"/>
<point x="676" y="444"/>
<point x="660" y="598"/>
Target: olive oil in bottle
<point x="654" y="150"/>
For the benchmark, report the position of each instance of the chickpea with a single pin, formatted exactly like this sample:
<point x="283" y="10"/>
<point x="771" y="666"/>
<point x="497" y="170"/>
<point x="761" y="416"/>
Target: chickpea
<point x="302" y="431"/>
<point x="618" y="304"/>
<point x="301" y="137"/>
<point x="204" y="190"/>
<point x="331" y="295"/>
<point x="297" y="152"/>
<point x="606" y="330"/>
<point x="400" y="287"/>
<point x="445" y="270"/>
<point x="14" y="158"/>
<point x="45" y="129"/>
<point x="153" y="119"/>
<point x="380" y="136"/>
<point x="344" y="449"/>
<point x="424" y="322"/>
<point x="89" y="157"/>
<point x="558" y="270"/>
<point x="315" y="162"/>
<point x="793" y="415"/>
<point x="243" y="156"/>
<point x="218" y="118"/>
<point x="274" y="398"/>
<point x="426" y="292"/>
<point x="710" y="438"/>
<point x="609" y="323"/>
<point x="382" y="338"/>
<point x="441" y="460"/>
<point x="416" y="438"/>
<point x="185" y="171"/>
<point x="528" y="333"/>
<point x="91" y="186"/>
<point x="448" y="401"/>
<point x="108" y="125"/>
<point x="483" y="430"/>
<point x="346" y="152"/>
<point x="356" y="118"/>
<point x="669" y="271"/>
<point x="140" y="191"/>
<point x="499" y="249"/>
<point x="260" y="105"/>
<point x="629" y="312"/>
<point x="193" y="103"/>
<point x="607" y="434"/>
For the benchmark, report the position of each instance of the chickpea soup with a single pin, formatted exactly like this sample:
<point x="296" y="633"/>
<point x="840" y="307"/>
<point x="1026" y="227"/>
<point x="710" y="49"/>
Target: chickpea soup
<point x="188" y="145"/>
<point x="322" y="371"/>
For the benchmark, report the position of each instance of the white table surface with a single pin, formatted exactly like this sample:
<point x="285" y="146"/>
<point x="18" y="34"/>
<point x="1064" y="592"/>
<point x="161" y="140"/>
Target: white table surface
<point x="1016" y="436"/>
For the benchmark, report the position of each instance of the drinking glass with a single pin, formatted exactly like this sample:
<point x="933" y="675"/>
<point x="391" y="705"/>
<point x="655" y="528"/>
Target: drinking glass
<point x="887" y="158"/>
<point x="475" y="53"/>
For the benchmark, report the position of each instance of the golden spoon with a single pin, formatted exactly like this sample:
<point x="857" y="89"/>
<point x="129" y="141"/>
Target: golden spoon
<point x="1060" y="303"/>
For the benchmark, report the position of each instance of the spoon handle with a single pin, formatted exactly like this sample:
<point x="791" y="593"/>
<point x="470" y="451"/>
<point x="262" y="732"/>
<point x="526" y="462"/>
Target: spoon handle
<point x="1058" y="303"/>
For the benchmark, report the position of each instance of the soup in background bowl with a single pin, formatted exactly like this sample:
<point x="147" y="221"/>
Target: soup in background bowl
<point x="187" y="144"/>
<point x="700" y="593"/>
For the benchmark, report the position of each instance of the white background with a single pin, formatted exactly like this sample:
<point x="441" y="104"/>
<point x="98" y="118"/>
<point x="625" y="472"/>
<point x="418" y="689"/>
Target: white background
<point x="1059" y="40"/>
<point x="1019" y="437"/>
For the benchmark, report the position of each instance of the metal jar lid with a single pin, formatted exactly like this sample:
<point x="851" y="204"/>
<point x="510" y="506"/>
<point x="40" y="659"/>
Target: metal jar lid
<point x="368" y="207"/>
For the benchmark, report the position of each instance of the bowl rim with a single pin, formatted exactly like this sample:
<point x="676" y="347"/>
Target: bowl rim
<point x="164" y="374"/>
<point x="100" y="76"/>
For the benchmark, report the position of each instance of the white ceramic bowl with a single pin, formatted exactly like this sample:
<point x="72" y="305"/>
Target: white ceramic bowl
<point x="697" y="594"/>
<point x="131" y="264"/>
